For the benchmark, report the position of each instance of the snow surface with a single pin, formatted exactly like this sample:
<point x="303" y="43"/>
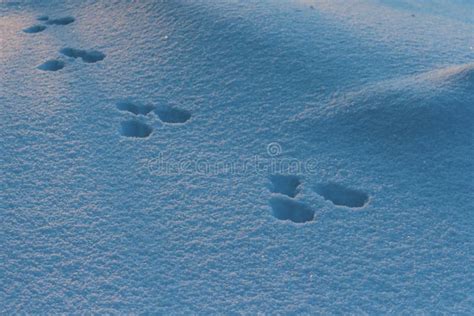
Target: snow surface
<point x="375" y="96"/>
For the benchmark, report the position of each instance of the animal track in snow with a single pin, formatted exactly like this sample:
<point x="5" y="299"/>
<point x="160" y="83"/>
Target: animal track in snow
<point x="283" y="203"/>
<point x="285" y="184"/>
<point x="342" y="196"/>
<point x="285" y="208"/>
<point x="134" y="128"/>
<point x="61" y="21"/>
<point x="43" y="18"/>
<point x="52" y="65"/>
<point x="35" y="29"/>
<point x="168" y="114"/>
<point x="134" y="108"/>
<point x="91" y="56"/>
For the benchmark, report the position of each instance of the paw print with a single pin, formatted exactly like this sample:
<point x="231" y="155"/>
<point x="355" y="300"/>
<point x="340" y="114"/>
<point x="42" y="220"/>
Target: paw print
<point x="283" y="202"/>
<point x="285" y="206"/>
<point x="137" y="127"/>
<point x="87" y="56"/>
<point x="340" y="195"/>
<point x="45" y="19"/>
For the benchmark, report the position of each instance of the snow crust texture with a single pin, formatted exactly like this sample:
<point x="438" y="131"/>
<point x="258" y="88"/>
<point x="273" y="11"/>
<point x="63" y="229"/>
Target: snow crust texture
<point x="236" y="157"/>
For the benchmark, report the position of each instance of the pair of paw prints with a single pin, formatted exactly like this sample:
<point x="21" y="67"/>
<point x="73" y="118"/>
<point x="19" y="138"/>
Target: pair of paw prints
<point x="285" y="188"/>
<point x="88" y="56"/>
<point x="138" y="128"/>
<point x="45" y="19"/>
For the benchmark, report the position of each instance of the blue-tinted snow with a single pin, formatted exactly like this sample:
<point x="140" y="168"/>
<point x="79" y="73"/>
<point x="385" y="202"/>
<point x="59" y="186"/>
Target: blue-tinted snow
<point x="377" y="95"/>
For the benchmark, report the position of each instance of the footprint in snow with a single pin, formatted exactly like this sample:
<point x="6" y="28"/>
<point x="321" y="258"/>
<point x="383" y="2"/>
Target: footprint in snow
<point x="340" y="195"/>
<point x="56" y="64"/>
<point x="285" y="188"/>
<point x="134" y="108"/>
<point x="59" y="21"/>
<point x="172" y="115"/>
<point x="284" y="206"/>
<point x="52" y="65"/>
<point x="88" y="56"/>
<point x="285" y="184"/>
<point x="136" y="127"/>
<point x="34" y="29"/>
<point x="91" y="56"/>
<point x="43" y="18"/>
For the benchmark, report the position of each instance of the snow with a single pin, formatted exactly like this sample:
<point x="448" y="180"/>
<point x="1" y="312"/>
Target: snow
<point x="180" y="157"/>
